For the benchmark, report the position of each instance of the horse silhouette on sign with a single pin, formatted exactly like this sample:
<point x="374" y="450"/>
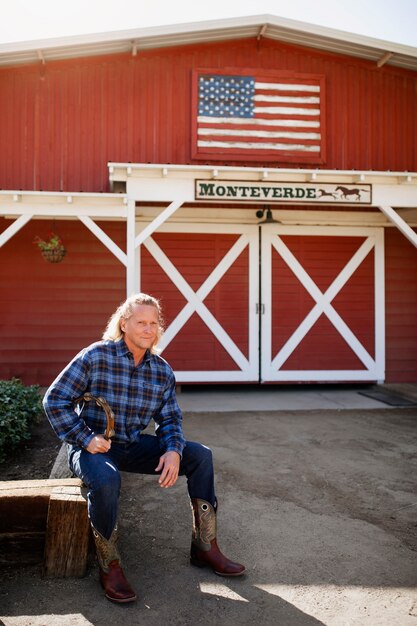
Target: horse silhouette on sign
<point x="323" y="194"/>
<point x="347" y="193"/>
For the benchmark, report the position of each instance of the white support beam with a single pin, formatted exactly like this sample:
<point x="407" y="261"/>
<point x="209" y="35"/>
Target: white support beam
<point x="14" y="228"/>
<point x="64" y="211"/>
<point x="132" y="268"/>
<point x="105" y="239"/>
<point x="160" y="219"/>
<point x="401" y="224"/>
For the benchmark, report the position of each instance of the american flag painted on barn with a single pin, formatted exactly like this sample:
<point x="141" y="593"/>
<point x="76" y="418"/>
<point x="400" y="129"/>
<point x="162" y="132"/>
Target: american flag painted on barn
<point x="258" y="116"/>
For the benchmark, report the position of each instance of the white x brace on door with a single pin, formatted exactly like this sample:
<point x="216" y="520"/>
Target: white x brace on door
<point x="370" y="241"/>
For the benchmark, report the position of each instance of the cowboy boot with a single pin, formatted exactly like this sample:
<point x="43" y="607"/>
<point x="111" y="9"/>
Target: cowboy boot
<point x="112" y="578"/>
<point x="204" y="548"/>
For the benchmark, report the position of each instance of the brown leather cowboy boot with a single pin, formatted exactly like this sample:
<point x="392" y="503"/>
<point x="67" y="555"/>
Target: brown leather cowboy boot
<point x="112" y="578"/>
<point x="204" y="548"/>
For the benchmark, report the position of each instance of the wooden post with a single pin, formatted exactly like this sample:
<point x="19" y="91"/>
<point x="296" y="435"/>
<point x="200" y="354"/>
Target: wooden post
<point x="23" y="518"/>
<point x="67" y="533"/>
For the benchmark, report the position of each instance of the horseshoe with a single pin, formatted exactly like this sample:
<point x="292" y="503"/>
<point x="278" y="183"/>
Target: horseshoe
<point x="87" y="397"/>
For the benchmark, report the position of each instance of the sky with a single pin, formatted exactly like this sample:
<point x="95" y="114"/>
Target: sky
<point x="27" y="20"/>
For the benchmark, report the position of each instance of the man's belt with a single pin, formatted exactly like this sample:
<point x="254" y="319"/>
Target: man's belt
<point x="87" y="397"/>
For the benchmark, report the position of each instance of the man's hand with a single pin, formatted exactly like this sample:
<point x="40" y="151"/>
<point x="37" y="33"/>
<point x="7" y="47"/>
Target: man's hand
<point x="169" y="465"/>
<point x="98" y="445"/>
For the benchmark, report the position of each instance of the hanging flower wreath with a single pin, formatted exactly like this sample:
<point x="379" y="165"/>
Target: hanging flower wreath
<point x="52" y="249"/>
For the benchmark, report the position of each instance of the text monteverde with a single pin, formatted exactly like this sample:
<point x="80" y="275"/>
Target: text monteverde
<point x="215" y="190"/>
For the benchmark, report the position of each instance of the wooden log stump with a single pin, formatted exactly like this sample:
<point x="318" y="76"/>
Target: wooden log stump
<point x="45" y="522"/>
<point x="67" y="533"/>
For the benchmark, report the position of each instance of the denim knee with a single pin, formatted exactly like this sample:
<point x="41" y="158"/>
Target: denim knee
<point x="106" y="483"/>
<point x="97" y="471"/>
<point x="198" y="453"/>
<point x="206" y="455"/>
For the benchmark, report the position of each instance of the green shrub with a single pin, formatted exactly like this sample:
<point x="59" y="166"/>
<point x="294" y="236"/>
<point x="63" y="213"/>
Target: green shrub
<point x="20" y="409"/>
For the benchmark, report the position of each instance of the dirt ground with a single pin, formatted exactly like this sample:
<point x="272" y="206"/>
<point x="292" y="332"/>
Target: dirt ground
<point x="319" y="505"/>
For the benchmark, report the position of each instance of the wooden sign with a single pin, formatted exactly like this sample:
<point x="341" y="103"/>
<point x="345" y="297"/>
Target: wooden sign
<point x="272" y="192"/>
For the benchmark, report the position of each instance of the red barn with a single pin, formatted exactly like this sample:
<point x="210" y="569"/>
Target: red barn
<point x="258" y="175"/>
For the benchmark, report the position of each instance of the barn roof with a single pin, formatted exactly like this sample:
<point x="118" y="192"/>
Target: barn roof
<point x="269" y="26"/>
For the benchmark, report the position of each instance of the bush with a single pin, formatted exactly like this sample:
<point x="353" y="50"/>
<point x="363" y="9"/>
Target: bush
<point x="20" y="409"/>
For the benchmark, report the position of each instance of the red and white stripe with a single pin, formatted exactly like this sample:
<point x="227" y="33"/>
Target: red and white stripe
<point x="286" y="119"/>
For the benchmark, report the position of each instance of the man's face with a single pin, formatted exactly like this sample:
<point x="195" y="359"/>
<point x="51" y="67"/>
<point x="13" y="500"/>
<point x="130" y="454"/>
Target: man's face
<point x="140" y="330"/>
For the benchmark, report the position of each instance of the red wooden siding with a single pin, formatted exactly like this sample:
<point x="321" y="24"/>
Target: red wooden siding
<point x="401" y="308"/>
<point x="61" y="123"/>
<point x="50" y="311"/>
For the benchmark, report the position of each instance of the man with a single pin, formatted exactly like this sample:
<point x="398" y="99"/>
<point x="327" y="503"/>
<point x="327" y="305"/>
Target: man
<point x="125" y="370"/>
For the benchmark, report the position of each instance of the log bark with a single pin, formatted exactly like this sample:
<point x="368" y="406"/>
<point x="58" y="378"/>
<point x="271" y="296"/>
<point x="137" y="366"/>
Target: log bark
<point x="67" y="533"/>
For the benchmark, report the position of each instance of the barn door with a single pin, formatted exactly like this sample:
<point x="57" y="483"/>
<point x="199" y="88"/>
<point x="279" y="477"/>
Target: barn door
<point x="208" y="279"/>
<point x="323" y="304"/>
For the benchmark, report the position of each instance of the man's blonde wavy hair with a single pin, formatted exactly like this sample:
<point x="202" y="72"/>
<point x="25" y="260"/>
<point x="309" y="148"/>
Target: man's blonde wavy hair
<point x="113" y="330"/>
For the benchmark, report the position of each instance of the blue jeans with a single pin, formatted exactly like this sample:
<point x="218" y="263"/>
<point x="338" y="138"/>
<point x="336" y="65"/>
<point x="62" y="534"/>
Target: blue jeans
<point x="101" y="474"/>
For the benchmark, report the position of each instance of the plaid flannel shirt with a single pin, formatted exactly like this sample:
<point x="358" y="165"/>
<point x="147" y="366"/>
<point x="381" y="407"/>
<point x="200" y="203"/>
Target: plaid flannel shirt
<point x="136" y="395"/>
